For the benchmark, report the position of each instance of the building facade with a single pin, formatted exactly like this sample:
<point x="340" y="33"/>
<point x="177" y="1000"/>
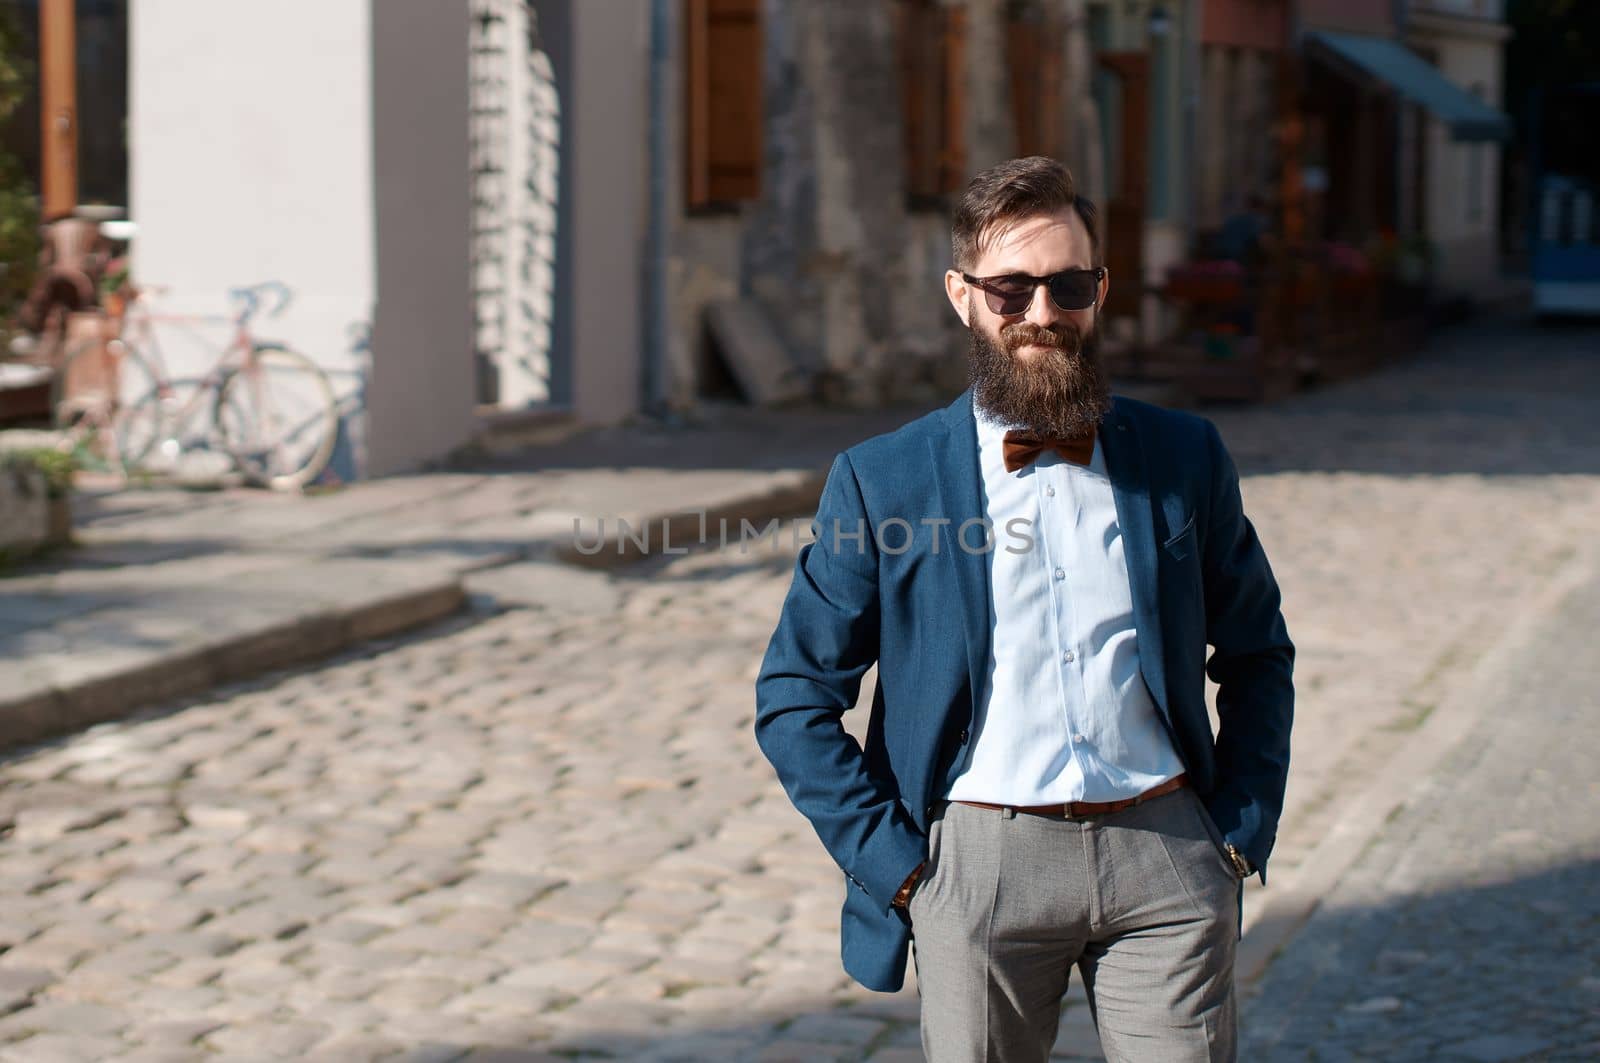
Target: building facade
<point x="836" y="231"/>
<point x="1405" y="128"/>
<point x="496" y="213"/>
<point x="1459" y="208"/>
<point x="1243" y="45"/>
<point x="417" y="174"/>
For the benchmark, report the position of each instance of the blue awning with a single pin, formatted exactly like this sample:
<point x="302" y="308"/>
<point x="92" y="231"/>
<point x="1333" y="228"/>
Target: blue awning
<point x="1413" y="77"/>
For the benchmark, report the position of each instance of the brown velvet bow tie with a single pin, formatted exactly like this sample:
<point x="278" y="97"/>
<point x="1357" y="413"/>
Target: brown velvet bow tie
<point x="1020" y="448"/>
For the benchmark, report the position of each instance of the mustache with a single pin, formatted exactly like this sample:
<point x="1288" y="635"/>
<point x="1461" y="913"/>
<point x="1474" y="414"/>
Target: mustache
<point x="1023" y="333"/>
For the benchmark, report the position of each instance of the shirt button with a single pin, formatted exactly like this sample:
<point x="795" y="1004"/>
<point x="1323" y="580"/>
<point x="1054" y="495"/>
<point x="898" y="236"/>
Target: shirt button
<point x="1061" y="573"/>
<point x="1079" y="739"/>
<point x="1050" y="490"/>
<point x="1069" y="657"/>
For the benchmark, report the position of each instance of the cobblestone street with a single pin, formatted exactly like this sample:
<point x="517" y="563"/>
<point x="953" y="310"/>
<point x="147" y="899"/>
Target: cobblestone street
<point x="1470" y="931"/>
<point x="543" y="830"/>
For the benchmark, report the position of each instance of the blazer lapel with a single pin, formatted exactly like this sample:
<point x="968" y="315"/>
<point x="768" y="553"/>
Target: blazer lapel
<point x="1130" y="486"/>
<point x="954" y="452"/>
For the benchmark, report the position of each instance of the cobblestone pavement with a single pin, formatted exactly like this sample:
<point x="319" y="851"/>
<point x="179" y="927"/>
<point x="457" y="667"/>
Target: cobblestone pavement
<point x="544" y="831"/>
<point x="1470" y="930"/>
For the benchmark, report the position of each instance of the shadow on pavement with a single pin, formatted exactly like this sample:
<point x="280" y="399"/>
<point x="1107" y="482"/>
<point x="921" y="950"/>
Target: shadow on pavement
<point x="121" y="553"/>
<point x="810" y="1031"/>
<point x="31" y="620"/>
<point x="1487" y="972"/>
<point x="1503" y="970"/>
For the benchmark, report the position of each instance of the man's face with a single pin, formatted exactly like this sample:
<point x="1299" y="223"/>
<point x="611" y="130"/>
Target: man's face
<point x="1039" y="369"/>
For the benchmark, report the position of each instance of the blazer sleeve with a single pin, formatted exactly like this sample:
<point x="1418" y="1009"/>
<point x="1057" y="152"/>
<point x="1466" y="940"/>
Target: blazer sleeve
<point x="826" y="639"/>
<point x="1252" y="663"/>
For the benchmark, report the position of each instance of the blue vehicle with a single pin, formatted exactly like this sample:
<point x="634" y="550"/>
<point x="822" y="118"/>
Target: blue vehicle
<point x="1565" y="220"/>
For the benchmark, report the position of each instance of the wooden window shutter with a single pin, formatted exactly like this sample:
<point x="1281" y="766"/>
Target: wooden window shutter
<point x="931" y="44"/>
<point x="1124" y="219"/>
<point x="722" y="62"/>
<point x="953" y="148"/>
<point x="1035" y="41"/>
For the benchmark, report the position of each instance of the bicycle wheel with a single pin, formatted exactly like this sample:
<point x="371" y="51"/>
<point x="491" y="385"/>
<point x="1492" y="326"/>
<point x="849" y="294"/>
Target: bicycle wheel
<point x="276" y="416"/>
<point x="108" y="401"/>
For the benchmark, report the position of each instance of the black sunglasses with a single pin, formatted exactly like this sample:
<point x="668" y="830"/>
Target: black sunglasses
<point x="1012" y="294"/>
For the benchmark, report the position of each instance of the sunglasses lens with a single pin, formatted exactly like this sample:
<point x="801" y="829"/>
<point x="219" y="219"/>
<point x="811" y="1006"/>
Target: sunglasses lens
<point x="1008" y="298"/>
<point x="1074" y="290"/>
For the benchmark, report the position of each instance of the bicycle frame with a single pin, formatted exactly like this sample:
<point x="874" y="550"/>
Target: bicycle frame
<point x="234" y="356"/>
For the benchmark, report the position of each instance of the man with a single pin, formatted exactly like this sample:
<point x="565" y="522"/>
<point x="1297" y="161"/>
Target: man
<point x="1037" y="571"/>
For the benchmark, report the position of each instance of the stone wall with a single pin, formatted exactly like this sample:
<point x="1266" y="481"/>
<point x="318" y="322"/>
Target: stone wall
<point x="850" y="278"/>
<point x="778" y="246"/>
<point x="991" y="138"/>
<point x="851" y="252"/>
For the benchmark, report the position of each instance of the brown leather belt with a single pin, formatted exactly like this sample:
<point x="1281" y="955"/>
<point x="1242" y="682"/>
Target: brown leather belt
<point x="1076" y="809"/>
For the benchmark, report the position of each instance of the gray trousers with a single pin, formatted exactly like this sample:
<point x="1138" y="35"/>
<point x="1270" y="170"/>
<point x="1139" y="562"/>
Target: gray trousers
<point x="1143" y="902"/>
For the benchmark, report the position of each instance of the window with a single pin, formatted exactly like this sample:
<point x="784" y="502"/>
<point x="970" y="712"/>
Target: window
<point x="722" y="129"/>
<point x="930" y="41"/>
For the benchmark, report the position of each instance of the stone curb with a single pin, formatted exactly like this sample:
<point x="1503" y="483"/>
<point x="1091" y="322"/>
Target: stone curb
<point x="1283" y="913"/>
<point x="48" y="712"/>
<point x="52" y="711"/>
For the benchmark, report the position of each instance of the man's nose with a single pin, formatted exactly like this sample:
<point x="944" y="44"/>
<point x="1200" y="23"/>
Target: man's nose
<point x="1043" y="311"/>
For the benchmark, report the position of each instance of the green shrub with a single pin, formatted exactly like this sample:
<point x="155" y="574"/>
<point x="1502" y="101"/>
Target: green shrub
<point x="19" y="200"/>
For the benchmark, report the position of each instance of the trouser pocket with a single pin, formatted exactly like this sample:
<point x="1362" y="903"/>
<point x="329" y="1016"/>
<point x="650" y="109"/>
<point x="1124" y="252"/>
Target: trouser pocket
<point x="930" y="870"/>
<point x="1218" y="843"/>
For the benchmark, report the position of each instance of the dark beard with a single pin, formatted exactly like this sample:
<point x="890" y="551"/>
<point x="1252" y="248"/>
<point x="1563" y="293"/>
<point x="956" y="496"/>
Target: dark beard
<point x="1061" y="393"/>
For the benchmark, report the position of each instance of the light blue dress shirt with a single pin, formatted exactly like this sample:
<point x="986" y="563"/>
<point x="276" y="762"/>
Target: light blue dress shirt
<point x="1065" y="714"/>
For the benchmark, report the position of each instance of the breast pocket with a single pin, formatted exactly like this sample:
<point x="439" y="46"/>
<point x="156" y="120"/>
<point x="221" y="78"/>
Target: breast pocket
<point x="1181" y="545"/>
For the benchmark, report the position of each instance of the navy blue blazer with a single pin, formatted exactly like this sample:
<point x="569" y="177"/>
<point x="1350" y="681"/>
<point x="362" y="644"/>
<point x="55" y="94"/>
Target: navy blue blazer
<point x="887" y="580"/>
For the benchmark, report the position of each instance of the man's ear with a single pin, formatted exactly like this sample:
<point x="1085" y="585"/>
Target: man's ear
<point x="1105" y="286"/>
<point x="956" y="289"/>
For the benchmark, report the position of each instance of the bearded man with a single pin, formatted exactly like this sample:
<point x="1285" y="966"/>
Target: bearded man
<point x="1040" y="787"/>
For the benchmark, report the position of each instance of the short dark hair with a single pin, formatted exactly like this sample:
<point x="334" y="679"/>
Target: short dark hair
<point x="1014" y="191"/>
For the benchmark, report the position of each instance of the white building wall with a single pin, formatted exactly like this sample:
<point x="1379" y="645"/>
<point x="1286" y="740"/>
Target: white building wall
<point x="251" y="160"/>
<point x="253" y="133"/>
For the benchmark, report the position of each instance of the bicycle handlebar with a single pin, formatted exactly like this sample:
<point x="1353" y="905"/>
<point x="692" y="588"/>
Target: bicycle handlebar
<point x="251" y="297"/>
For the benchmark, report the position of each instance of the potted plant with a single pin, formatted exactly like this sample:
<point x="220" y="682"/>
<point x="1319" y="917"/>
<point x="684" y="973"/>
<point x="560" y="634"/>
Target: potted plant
<point x="35" y="490"/>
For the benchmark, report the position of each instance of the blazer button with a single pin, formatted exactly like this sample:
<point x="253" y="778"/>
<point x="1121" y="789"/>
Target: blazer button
<point x="963" y="736"/>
